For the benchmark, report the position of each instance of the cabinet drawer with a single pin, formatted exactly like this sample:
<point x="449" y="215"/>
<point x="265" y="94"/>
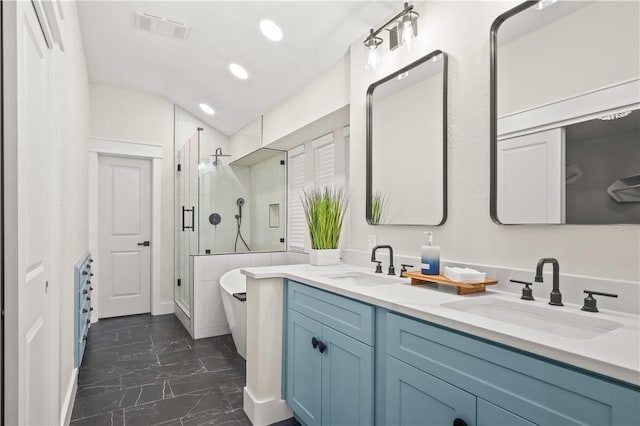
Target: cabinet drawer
<point x="537" y="390"/>
<point x="355" y="319"/>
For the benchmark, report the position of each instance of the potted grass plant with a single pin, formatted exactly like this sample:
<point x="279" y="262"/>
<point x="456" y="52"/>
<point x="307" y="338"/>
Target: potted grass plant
<point x="324" y="210"/>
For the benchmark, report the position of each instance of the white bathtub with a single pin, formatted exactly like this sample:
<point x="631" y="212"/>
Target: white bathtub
<point x="235" y="310"/>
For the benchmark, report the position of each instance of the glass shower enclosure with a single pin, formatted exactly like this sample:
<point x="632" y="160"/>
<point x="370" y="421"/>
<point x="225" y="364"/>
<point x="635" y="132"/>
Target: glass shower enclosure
<point x="225" y="204"/>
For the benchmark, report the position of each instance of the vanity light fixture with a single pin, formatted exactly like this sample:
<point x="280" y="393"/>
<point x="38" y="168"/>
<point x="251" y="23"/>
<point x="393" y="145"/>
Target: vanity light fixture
<point x="207" y="109"/>
<point x="403" y="29"/>
<point x="615" y="116"/>
<point x="544" y="3"/>
<point x="270" y="30"/>
<point x="238" y="71"/>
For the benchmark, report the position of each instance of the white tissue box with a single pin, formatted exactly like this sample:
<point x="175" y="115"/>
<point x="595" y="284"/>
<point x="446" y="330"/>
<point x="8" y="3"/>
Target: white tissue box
<point x="464" y="275"/>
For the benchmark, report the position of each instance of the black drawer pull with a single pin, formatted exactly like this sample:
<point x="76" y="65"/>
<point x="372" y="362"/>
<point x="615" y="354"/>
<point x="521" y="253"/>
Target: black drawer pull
<point x="322" y="347"/>
<point x="459" y="422"/>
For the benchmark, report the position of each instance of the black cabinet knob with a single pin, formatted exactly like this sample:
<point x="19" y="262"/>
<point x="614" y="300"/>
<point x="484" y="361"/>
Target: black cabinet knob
<point x="84" y="292"/>
<point x="90" y="309"/>
<point x="84" y="272"/>
<point x="88" y="298"/>
<point x="88" y="281"/>
<point x="321" y="347"/>
<point x="84" y="311"/>
<point x="459" y="422"/>
<point x="91" y="288"/>
<point x="91" y="274"/>
<point x="88" y="321"/>
<point x="314" y="342"/>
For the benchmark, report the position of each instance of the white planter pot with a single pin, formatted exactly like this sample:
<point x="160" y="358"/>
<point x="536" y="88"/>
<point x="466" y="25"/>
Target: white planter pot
<point x="324" y="257"/>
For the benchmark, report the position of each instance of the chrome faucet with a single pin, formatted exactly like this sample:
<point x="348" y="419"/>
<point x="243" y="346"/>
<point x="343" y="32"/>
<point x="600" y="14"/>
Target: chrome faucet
<point x="555" y="298"/>
<point x="392" y="270"/>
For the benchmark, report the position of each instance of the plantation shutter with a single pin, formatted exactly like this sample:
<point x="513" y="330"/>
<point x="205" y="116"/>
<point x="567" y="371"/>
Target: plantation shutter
<point x="323" y="150"/>
<point x="296" y="221"/>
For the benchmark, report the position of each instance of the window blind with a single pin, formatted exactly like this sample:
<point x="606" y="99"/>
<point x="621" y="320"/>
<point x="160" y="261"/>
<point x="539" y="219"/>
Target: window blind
<point x="296" y="221"/>
<point x="324" y="156"/>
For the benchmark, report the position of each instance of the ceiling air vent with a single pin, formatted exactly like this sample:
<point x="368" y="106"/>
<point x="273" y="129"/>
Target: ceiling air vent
<point x="162" y="26"/>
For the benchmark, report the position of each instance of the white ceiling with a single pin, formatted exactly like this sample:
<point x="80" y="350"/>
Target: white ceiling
<point x="317" y="34"/>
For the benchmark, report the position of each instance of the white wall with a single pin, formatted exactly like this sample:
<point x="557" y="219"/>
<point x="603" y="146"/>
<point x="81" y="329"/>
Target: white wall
<point x="469" y="235"/>
<point x="131" y="116"/>
<point x="247" y="139"/>
<point x="325" y="95"/>
<point x="74" y="188"/>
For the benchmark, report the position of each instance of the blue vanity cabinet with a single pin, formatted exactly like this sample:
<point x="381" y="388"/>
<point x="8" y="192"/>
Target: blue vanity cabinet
<point x="328" y="363"/>
<point x="417" y="398"/>
<point x="507" y="386"/>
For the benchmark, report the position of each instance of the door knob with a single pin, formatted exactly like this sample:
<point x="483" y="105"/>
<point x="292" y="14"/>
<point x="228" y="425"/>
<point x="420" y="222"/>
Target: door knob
<point x="314" y="342"/>
<point x="144" y="243"/>
<point x="459" y="422"/>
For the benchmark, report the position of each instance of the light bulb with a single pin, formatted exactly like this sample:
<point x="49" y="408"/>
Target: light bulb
<point x="407" y="34"/>
<point x="372" y="58"/>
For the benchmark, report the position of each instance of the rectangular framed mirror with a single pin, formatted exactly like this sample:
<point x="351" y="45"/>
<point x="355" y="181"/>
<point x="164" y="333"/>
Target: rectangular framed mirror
<point x="565" y="113"/>
<point x="407" y="145"/>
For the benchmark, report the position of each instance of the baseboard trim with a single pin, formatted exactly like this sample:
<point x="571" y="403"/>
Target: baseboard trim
<point x="69" y="399"/>
<point x="265" y="412"/>
<point x="164" y="308"/>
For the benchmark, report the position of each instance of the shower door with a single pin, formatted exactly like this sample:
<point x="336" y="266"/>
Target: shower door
<point x="186" y="235"/>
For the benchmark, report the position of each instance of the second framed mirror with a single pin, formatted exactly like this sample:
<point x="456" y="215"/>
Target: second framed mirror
<point x="407" y="145"/>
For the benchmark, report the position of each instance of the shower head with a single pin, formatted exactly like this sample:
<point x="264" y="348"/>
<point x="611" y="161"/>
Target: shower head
<point x="240" y="202"/>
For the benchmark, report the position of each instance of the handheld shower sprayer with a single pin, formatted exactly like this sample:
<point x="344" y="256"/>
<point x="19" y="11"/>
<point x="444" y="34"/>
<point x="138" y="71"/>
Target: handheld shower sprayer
<point x="240" y="202"/>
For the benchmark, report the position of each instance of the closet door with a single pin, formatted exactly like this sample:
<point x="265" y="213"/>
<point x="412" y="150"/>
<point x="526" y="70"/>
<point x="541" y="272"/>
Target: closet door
<point x="37" y="368"/>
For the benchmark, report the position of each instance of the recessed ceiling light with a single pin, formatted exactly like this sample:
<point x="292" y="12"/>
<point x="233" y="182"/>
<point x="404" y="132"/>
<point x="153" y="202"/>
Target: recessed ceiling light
<point x="271" y="30"/>
<point x="238" y="71"/>
<point x="206" y="108"/>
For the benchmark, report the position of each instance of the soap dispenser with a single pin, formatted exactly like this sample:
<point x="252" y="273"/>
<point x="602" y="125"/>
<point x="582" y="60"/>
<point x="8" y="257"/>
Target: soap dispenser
<point x="430" y="257"/>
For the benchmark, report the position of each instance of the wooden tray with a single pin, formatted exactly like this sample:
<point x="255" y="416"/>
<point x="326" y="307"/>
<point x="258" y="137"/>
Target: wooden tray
<point x="463" y="288"/>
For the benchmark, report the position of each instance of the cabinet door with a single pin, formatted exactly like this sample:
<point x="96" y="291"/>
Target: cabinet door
<point x="492" y="415"/>
<point x="304" y="368"/>
<point x="417" y="398"/>
<point x="347" y="380"/>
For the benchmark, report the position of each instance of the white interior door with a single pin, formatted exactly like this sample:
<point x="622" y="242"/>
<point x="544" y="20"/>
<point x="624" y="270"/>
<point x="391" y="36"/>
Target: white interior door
<point x="124" y="223"/>
<point x="531" y="178"/>
<point x="37" y="370"/>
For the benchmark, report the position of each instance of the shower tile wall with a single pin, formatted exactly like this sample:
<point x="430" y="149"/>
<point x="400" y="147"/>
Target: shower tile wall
<point x="208" y="313"/>
<point x="220" y="187"/>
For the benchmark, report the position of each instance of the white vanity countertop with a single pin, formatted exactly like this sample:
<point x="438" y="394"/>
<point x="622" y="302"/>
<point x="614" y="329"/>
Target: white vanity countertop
<point x="615" y="353"/>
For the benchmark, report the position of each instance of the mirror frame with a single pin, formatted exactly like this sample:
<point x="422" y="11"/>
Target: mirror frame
<point x="493" y="100"/>
<point x="369" y="136"/>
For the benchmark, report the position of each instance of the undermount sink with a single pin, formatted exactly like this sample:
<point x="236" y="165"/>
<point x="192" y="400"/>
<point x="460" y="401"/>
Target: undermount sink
<point x="551" y="320"/>
<point x="361" y="279"/>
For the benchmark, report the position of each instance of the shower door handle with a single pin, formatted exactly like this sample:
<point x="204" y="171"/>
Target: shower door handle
<point x="184" y="226"/>
<point x="193" y="219"/>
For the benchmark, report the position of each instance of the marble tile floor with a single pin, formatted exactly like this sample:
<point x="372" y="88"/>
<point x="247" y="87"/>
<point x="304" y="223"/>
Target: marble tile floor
<point x="144" y="370"/>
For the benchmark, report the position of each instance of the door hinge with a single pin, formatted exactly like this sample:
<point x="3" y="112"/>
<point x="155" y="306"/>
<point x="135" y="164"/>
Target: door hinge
<point x="179" y="282"/>
<point x="282" y="162"/>
<point x="282" y="240"/>
<point x="179" y="167"/>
